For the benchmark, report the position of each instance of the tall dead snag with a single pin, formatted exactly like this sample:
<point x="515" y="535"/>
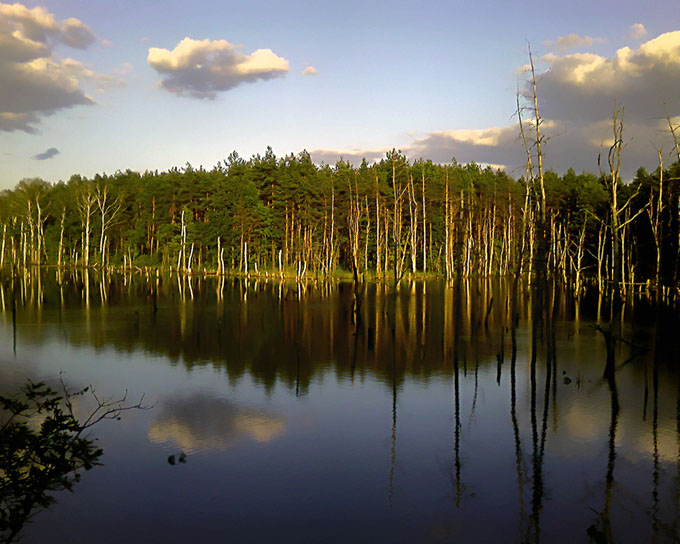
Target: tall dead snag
<point x="220" y="257"/>
<point x="576" y="256"/>
<point x="617" y="217"/>
<point x="448" y="261"/>
<point x="528" y="184"/>
<point x="673" y="129"/>
<point x="537" y="238"/>
<point x="109" y="207"/>
<point x="542" y="235"/>
<point x="39" y="229"/>
<point x="614" y="160"/>
<point x="30" y="209"/>
<point x="396" y="223"/>
<point x="60" y="251"/>
<point x="85" y="201"/>
<point x="2" y="251"/>
<point x="399" y="247"/>
<point x="181" y="259"/>
<point x="424" y="224"/>
<point x="378" y="247"/>
<point x="674" y="132"/>
<point x="654" y="213"/>
<point x="354" y="216"/>
<point x="600" y="256"/>
<point x="330" y="248"/>
<point x="413" y="224"/>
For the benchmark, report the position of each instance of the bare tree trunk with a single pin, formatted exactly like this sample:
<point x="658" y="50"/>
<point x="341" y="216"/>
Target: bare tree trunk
<point x="23" y="242"/>
<point x="220" y="271"/>
<point x="447" y="229"/>
<point x="2" y="251"/>
<point x="673" y="130"/>
<point x="424" y="225"/>
<point x="579" y="256"/>
<point x="654" y="214"/>
<point x="614" y="160"/>
<point x="61" y="237"/>
<point x="154" y="241"/>
<point x="413" y="225"/>
<point x="396" y="225"/>
<point x="528" y="182"/>
<point x="285" y="240"/>
<point x="39" y="230"/>
<point x="367" y="233"/>
<point x="31" y="226"/>
<point x="399" y="249"/>
<point x="600" y="254"/>
<point x="617" y="264"/>
<point x="85" y="201"/>
<point x="541" y="256"/>
<point x="108" y="211"/>
<point x="183" y="251"/>
<point x="378" y="267"/>
<point x="191" y="254"/>
<point x="331" y="252"/>
<point x="353" y="227"/>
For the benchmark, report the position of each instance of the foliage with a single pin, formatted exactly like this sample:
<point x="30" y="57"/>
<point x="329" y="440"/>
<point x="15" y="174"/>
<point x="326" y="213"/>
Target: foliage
<point x="44" y="449"/>
<point x="269" y="212"/>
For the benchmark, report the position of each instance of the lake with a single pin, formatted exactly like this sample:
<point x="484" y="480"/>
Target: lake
<point x="425" y="416"/>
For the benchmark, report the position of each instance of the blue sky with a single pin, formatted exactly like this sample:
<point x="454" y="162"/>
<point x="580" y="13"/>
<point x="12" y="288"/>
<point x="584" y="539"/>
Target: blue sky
<point x="155" y="84"/>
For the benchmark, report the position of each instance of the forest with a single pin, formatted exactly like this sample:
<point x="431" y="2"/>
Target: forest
<point x="287" y="216"/>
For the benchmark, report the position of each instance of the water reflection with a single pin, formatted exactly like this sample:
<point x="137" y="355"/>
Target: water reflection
<point x="475" y="391"/>
<point x="199" y="423"/>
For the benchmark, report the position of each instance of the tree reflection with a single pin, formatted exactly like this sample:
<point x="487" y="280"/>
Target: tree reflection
<point x="456" y="392"/>
<point x="289" y="335"/>
<point x="602" y="530"/>
<point x="542" y="329"/>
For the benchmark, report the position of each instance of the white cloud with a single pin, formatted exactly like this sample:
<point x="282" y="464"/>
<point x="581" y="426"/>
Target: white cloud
<point x="585" y="85"/>
<point x="310" y="71"/>
<point x="34" y="82"/>
<point x="577" y="95"/>
<point x="10" y="122"/>
<point x="638" y="31"/>
<point x="563" y="43"/>
<point x="353" y="156"/>
<point x="494" y="166"/>
<point x="37" y="25"/>
<point x="206" y="422"/>
<point x="491" y="145"/>
<point x="567" y="144"/>
<point x="76" y="34"/>
<point x="203" y="68"/>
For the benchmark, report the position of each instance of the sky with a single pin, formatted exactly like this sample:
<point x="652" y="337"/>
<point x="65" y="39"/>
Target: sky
<point x="94" y="87"/>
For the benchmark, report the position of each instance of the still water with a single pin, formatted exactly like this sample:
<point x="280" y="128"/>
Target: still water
<point x="421" y="418"/>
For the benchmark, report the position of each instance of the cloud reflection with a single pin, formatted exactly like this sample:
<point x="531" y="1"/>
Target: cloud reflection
<point x="199" y="423"/>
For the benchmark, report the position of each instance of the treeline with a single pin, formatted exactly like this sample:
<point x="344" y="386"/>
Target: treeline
<point x="288" y="216"/>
